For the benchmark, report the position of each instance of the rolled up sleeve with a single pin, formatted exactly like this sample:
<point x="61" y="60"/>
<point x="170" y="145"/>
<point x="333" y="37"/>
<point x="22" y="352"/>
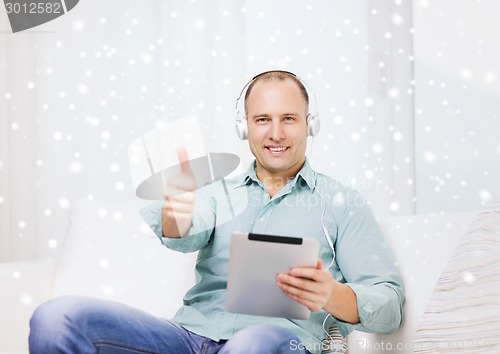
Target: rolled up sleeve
<point x="369" y="269"/>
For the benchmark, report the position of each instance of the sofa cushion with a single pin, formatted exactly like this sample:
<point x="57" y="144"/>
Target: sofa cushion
<point x="25" y="285"/>
<point x="463" y="314"/>
<point x="421" y="245"/>
<point x="110" y="252"/>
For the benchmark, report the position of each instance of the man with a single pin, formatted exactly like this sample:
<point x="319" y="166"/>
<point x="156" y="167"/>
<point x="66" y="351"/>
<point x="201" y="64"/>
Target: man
<point x="360" y="289"/>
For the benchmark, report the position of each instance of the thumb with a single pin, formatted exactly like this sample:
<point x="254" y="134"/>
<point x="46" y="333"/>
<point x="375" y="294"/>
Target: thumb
<point x="319" y="265"/>
<point x="184" y="160"/>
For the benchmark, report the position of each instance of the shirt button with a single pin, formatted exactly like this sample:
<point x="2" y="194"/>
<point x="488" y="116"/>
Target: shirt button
<point x="262" y="219"/>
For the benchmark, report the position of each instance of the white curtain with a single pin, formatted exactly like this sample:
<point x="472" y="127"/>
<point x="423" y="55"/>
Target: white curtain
<point x="4" y="153"/>
<point x="82" y="87"/>
<point x="457" y="70"/>
<point x="18" y="149"/>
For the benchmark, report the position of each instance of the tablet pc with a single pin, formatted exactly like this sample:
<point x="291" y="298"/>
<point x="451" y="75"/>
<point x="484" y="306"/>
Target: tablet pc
<point x="254" y="262"/>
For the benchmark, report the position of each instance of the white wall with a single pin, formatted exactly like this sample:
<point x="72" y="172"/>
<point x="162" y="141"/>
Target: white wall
<point x="348" y="52"/>
<point x="18" y="148"/>
<point x="82" y="87"/>
<point x="457" y="95"/>
<point x="4" y="147"/>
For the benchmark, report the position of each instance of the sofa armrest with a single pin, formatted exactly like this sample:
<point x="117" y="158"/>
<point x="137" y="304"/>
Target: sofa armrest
<point x="25" y="285"/>
<point x="121" y="259"/>
<point x="422" y="245"/>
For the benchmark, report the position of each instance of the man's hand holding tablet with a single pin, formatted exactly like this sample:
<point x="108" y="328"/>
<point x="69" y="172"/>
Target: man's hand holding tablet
<point x="312" y="287"/>
<point x="254" y="262"/>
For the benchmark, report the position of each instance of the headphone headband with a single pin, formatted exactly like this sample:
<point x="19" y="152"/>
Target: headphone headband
<point x="312" y="118"/>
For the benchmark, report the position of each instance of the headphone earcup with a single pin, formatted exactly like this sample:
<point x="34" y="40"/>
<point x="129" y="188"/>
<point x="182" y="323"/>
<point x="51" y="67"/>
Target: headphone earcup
<point x="242" y="128"/>
<point x="313" y="125"/>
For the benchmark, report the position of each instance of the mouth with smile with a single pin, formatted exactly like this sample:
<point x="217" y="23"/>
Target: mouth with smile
<point x="276" y="149"/>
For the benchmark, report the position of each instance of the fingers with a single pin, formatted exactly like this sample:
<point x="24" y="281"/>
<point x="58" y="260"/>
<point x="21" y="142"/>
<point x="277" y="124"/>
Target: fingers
<point x="179" y="185"/>
<point x="312" y="304"/>
<point x="309" y="286"/>
<point x="182" y="203"/>
<point x="177" y="214"/>
<point x="315" y="274"/>
<point x="311" y="297"/>
<point x="296" y="284"/>
<point x="184" y="198"/>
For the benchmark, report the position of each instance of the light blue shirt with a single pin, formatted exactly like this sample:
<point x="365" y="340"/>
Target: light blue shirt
<point x="362" y="259"/>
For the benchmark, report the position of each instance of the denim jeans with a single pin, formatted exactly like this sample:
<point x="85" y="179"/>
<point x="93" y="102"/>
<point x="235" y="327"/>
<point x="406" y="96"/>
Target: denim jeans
<point x="75" y="324"/>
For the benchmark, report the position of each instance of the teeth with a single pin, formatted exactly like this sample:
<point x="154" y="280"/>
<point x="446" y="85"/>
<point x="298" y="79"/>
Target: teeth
<point x="277" y="149"/>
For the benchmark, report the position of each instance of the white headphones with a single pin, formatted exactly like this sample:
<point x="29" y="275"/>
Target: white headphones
<point x="313" y="123"/>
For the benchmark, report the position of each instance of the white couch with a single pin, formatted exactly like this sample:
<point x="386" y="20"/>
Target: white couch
<point x="110" y="252"/>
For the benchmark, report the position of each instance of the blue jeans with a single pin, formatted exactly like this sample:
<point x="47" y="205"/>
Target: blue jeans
<point x="75" y="324"/>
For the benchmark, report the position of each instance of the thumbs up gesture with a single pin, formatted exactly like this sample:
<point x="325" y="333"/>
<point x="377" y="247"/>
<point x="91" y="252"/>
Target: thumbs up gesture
<point x="177" y="211"/>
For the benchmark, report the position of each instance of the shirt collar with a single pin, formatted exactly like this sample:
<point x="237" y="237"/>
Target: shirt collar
<point x="306" y="173"/>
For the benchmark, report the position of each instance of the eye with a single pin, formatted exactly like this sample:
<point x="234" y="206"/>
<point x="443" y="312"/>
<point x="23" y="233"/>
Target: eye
<point x="289" y="119"/>
<point x="261" y="119"/>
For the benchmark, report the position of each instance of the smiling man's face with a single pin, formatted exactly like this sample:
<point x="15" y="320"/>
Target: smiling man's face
<point x="277" y="128"/>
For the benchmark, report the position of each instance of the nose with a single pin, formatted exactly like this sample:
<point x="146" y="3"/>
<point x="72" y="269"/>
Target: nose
<point x="276" y="132"/>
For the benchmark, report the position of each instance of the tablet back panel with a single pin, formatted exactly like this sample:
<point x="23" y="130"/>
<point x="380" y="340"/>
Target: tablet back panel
<point x="254" y="263"/>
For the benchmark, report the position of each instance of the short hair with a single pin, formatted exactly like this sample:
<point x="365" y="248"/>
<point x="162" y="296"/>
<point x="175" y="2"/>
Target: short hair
<point x="277" y="75"/>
